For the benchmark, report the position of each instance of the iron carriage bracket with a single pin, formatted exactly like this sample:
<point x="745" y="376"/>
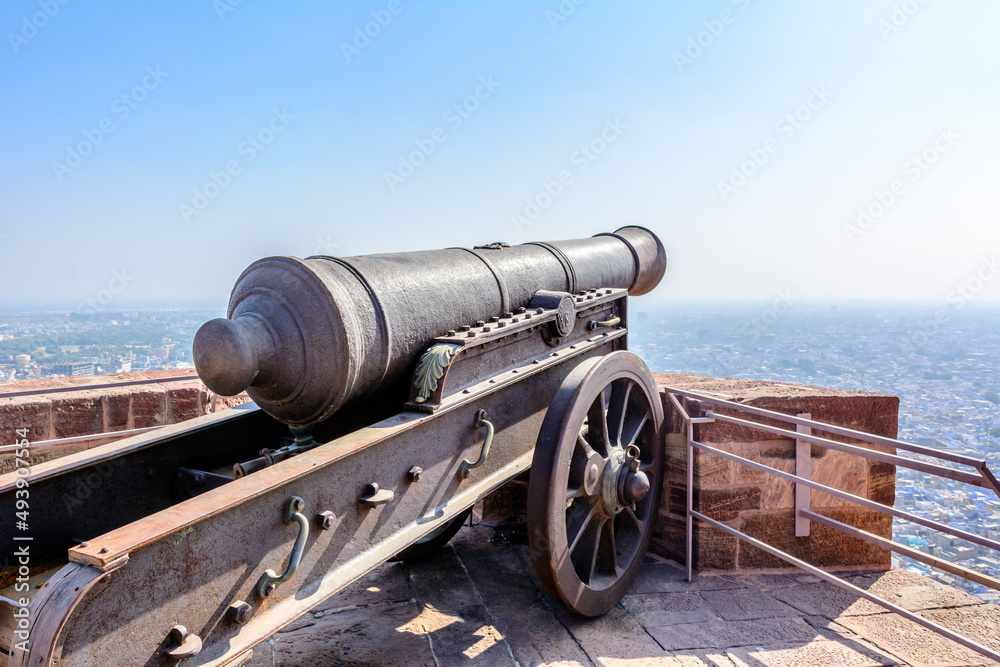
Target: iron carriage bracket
<point x="461" y="358"/>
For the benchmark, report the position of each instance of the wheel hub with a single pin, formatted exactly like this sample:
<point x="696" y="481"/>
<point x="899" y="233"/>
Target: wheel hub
<point x="624" y="484"/>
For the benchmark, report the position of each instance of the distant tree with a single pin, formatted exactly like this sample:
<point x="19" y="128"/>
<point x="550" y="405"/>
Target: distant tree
<point x="995" y="431"/>
<point x="993" y="397"/>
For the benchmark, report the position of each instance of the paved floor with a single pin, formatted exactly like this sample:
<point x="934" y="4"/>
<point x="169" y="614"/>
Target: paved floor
<point x="479" y="604"/>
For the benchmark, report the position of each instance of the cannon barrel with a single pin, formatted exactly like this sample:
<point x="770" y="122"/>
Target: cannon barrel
<point x="305" y="336"/>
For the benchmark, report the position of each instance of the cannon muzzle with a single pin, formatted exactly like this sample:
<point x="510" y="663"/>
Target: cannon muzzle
<point x="305" y="336"/>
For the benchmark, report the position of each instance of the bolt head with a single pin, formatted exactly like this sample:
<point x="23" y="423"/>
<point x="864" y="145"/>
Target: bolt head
<point x="240" y="612"/>
<point x="298" y="505"/>
<point x="326" y="519"/>
<point x="415" y="473"/>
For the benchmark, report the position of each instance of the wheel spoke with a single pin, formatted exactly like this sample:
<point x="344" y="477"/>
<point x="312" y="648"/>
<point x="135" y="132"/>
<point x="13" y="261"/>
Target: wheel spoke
<point x="597" y="420"/>
<point x="609" y="549"/>
<point x="633" y="433"/>
<point x="595" y="550"/>
<point x="578" y="492"/>
<point x="582" y="443"/>
<point x="639" y="523"/>
<point x="617" y="409"/>
<point x="582" y="529"/>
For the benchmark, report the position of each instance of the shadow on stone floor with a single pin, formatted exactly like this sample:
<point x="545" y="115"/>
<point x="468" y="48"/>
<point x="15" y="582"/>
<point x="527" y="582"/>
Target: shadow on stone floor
<point x="478" y="602"/>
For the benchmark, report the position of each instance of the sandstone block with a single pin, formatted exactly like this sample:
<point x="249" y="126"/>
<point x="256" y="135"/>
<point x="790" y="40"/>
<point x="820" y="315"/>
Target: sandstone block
<point x="183" y="402"/>
<point x="77" y="414"/>
<point x="149" y="407"/>
<point x="117" y="405"/>
<point x="33" y="413"/>
<point x="825" y="547"/>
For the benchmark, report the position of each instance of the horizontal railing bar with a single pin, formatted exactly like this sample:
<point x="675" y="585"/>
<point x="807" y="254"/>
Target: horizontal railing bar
<point x="915" y="554"/>
<point x="106" y="385"/>
<point x="864" y="502"/>
<point x="860" y="592"/>
<point x="920" y="466"/>
<point x="831" y="428"/>
<point x="42" y="445"/>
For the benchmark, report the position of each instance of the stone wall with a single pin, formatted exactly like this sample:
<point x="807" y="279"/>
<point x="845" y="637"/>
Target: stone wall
<point x="90" y="411"/>
<point x="762" y="505"/>
<point x="749" y="500"/>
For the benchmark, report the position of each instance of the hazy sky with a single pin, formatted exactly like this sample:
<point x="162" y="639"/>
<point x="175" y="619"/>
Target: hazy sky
<point x="150" y="151"/>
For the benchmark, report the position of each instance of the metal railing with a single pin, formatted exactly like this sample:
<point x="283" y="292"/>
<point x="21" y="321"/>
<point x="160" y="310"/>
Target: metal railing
<point x="192" y="375"/>
<point x="804" y="439"/>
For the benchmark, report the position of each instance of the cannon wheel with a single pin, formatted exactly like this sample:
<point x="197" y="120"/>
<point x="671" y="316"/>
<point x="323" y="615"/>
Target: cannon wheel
<point x="590" y="513"/>
<point x="431" y="543"/>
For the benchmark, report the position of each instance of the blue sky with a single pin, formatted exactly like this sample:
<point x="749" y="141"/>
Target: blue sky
<point x="161" y="147"/>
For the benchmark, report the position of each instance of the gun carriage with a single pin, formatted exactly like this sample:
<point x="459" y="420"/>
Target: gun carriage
<point x="391" y="393"/>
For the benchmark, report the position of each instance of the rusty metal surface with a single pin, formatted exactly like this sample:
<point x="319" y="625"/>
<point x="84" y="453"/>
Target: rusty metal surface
<point x="79" y="497"/>
<point x="215" y="559"/>
<point x="305" y="337"/>
<point x="589" y="519"/>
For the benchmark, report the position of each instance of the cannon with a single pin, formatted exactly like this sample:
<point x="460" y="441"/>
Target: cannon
<point x="391" y="393"/>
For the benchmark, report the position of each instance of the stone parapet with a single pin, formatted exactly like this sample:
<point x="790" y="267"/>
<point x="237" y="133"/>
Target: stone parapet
<point x="91" y="410"/>
<point x="762" y="505"/>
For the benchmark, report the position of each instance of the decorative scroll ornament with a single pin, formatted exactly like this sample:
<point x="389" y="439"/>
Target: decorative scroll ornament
<point x="431" y="368"/>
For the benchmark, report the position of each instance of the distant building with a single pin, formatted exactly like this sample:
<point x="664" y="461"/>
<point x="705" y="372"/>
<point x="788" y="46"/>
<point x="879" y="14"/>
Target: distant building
<point x="74" y="368"/>
<point x="22" y="359"/>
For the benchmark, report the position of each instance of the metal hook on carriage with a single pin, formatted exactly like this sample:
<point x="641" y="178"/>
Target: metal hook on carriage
<point x="463" y="470"/>
<point x="270" y="579"/>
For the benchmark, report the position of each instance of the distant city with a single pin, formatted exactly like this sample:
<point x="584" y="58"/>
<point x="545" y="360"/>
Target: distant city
<point x="944" y="364"/>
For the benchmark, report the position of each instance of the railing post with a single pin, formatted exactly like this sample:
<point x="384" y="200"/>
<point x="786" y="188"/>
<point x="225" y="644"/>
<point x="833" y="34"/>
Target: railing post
<point x="689" y="556"/>
<point x="803" y="469"/>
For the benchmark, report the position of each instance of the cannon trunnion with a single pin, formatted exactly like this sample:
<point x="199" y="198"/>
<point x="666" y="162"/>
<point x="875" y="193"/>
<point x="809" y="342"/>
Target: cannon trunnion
<point x="199" y="575"/>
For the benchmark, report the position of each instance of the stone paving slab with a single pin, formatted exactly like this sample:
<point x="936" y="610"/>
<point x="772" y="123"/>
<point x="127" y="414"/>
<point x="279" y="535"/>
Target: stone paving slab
<point x="810" y="654"/>
<point x="478" y="602"/>
<point x="744" y="604"/>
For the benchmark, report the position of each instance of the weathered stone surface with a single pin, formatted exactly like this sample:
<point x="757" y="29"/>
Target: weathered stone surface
<point x="824" y="547"/>
<point x="183" y="401"/>
<point x="914" y="644"/>
<point x="909" y="590"/>
<point x="616" y="639"/>
<point x="882" y="482"/>
<point x="811" y="654"/>
<point x="701" y="658"/>
<point x="825" y="599"/>
<point x="659" y="577"/>
<point x="746" y="605"/>
<point x="77" y="414"/>
<point x="726" y="504"/>
<point x="845" y="472"/>
<point x="33" y="413"/>
<point x="726" y="634"/>
<point x="383" y="634"/>
<point x="117" y="406"/>
<point x="149" y="407"/>
<point x="669" y="608"/>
